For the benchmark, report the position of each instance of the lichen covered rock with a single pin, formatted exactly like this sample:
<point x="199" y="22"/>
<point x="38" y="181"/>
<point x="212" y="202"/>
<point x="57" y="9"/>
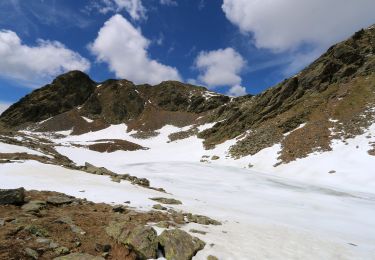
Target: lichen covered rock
<point x="179" y="245"/>
<point x="141" y="239"/>
<point x="12" y="196"/>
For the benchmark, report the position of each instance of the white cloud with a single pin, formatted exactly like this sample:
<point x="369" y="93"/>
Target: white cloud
<point x="237" y="91"/>
<point x="300" y="60"/>
<point x="32" y="64"/>
<point x="220" y="67"/>
<point x="286" y="24"/>
<point x="168" y="2"/>
<point x="134" y="8"/>
<point x="124" y="48"/>
<point x="4" y="106"/>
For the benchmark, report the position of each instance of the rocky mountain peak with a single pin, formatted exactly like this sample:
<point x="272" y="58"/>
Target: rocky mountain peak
<point x="64" y="93"/>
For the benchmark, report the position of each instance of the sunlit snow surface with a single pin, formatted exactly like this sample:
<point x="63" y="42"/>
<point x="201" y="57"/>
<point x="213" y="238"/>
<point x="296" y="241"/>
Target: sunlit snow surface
<point x="11" y="148"/>
<point x="296" y="211"/>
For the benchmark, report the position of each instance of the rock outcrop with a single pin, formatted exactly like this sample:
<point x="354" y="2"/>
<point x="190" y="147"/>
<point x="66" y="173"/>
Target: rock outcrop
<point x="12" y="196"/>
<point x="63" y="94"/>
<point x="177" y="244"/>
<point x="142" y="239"/>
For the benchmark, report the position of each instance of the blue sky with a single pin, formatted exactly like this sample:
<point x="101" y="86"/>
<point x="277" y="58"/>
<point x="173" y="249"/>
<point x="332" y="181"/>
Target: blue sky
<point x="230" y="46"/>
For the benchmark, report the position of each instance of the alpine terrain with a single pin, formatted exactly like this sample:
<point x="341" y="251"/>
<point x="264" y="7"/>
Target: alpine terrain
<point x="115" y="170"/>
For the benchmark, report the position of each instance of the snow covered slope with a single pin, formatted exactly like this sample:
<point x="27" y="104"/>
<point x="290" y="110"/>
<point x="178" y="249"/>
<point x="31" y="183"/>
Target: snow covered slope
<point x="263" y="216"/>
<point x="293" y="211"/>
<point x="340" y="168"/>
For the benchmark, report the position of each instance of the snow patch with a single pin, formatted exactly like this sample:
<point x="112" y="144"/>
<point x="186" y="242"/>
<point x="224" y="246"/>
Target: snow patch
<point x="11" y="148"/>
<point x="88" y="120"/>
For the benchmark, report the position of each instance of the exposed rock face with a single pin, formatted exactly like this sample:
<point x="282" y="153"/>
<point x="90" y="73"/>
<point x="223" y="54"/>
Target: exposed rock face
<point x="177" y="96"/>
<point x="64" y="93"/>
<point x="337" y="85"/>
<point x="74" y="94"/>
<point x="179" y="245"/>
<point x="116" y="101"/>
<point x="12" y="196"/>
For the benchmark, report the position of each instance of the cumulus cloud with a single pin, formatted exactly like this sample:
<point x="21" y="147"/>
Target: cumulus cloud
<point x="134" y="8"/>
<point x="124" y="49"/>
<point x="32" y="64"/>
<point x="220" y="67"/>
<point x="237" y="91"/>
<point x="4" y="106"/>
<point x="168" y="2"/>
<point x="286" y="24"/>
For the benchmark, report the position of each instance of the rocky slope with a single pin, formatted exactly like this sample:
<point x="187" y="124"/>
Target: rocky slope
<point x="74" y="95"/>
<point x="50" y="225"/>
<point x="330" y="99"/>
<point x="338" y="86"/>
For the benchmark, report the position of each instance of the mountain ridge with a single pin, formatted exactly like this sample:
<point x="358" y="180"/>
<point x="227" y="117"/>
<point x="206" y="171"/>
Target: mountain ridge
<point x="337" y="86"/>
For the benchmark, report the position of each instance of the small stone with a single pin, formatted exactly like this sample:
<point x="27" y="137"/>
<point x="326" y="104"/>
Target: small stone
<point x="12" y="196"/>
<point x="141" y="182"/>
<point x="102" y="248"/>
<point x="34" y="206"/>
<point x="59" y="200"/>
<point x="62" y="250"/>
<point x="37" y="231"/>
<point x="215" y="157"/>
<point x="9" y="219"/>
<point x="43" y="240"/>
<point x="77" y="244"/>
<point x="79" y="256"/>
<point x="116" y="179"/>
<point x="198" y="231"/>
<point x="166" y="201"/>
<point x="163" y="224"/>
<point x="119" y="208"/>
<point x="31" y="253"/>
<point x="211" y="257"/>
<point x="2" y="222"/>
<point x="107" y="248"/>
<point x="159" y="207"/>
<point x="73" y="227"/>
<point x="53" y="245"/>
<point x="331" y="172"/>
